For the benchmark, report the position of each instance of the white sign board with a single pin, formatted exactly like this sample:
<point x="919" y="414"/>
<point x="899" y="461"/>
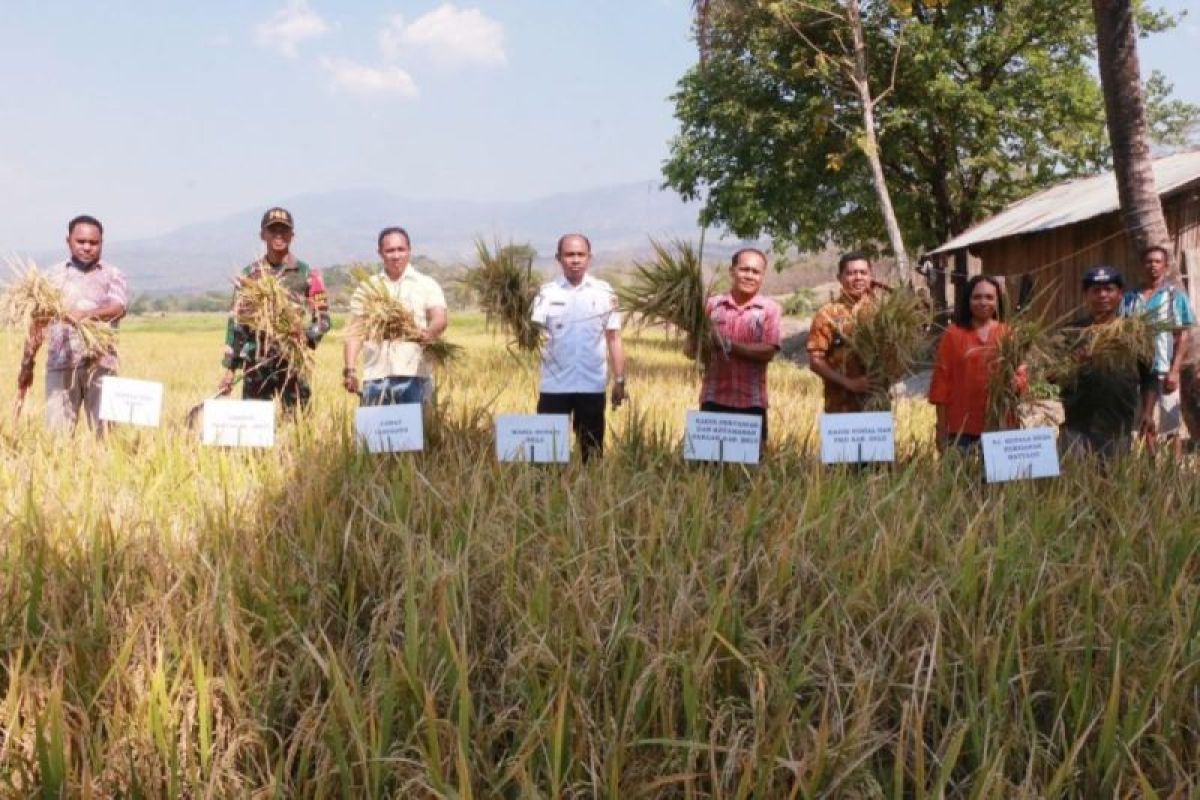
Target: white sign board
<point x="536" y="438"/>
<point x="855" y="438"/>
<point x="391" y="429"/>
<point x="239" y="423"/>
<point x="726" y="438"/>
<point x="131" y="402"/>
<point x="1021" y="454"/>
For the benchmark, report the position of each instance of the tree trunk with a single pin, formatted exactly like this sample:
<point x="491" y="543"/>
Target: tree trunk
<point x="702" y="10"/>
<point x="871" y="141"/>
<point x="1120" y="77"/>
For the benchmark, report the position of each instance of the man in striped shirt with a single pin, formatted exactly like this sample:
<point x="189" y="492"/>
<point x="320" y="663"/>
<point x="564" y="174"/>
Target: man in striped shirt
<point x="745" y="337"/>
<point x="92" y="289"/>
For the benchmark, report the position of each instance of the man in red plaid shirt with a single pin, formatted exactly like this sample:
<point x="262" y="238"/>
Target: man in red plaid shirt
<point x="745" y="337"/>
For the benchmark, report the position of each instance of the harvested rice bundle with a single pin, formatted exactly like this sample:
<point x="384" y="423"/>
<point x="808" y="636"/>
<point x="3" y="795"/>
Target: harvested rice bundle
<point x="441" y="352"/>
<point x="33" y="301"/>
<point x="381" y="317"/>
<point x="1025" y="356"/>
<point x="671" y="290"/>
<point x="1112" y="347"/>
<point x="276" y="320"/>
<point x="891" y="339"/>
<point x="504" y="284"/>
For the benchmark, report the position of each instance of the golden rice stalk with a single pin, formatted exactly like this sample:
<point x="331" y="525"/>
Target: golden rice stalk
<point x="505" y="286"/>
<point x="671" y="290"/>
<point x="441" y="352"/>
<point x="277" y="320"/>
<point x="381" y="317"/>
<point x="891" y="339"/>
<point x="1113" y="347"/>
<point x="31" y="301"/>
<point x="1029" y="345"/>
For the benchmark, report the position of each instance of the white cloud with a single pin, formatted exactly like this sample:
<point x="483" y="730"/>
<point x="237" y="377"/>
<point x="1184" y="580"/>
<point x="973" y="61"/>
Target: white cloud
<point x="390" y="36"/>
<point x="363" y="80"/>
<point x="289" y="26"/>
<point x="448" y="35"/>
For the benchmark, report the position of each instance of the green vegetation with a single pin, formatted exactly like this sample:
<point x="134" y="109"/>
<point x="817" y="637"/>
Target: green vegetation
<point x="180" y="621"/>
<point x="802" y="302"/>
<point x="772" y="142"/>
<point x="339" y="279"/>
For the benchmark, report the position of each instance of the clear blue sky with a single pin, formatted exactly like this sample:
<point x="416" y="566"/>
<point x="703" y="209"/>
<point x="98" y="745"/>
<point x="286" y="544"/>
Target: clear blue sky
<point x="152" y="115"/>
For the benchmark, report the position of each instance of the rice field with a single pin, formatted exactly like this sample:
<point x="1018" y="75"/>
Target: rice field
<point x="310" y="621"/>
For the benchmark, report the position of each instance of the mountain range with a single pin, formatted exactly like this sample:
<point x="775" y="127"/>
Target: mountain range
<point x="339" y="227"/>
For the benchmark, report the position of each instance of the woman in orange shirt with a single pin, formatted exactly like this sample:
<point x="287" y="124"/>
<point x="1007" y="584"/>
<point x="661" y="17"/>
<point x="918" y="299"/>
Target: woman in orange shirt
<point x="965" y="357"/>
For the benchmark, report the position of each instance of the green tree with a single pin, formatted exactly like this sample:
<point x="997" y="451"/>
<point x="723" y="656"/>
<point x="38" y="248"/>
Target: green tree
<point x="985" y="102"/>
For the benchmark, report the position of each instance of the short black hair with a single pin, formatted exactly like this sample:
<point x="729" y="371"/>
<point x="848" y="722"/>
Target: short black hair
<point x="733" y="261"/>
<point x="1155" y="248"/>
<point x="854" y="255"/>
<point x="84" y="219"/>
<point x="386" y="232"/>
<point x="962" y="309"/>
<point x="565" y="236"/>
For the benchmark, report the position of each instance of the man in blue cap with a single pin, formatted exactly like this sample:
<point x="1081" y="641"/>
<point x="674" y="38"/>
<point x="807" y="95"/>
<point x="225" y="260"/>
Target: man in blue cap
<point x="1104" y="406"/>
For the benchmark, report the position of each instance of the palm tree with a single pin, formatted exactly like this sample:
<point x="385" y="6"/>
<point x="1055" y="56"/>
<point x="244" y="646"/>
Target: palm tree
<point x="1120" y="78"/>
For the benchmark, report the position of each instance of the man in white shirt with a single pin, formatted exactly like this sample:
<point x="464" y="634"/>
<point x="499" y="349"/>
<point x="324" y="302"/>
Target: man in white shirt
<point x="395" y="371"/>
<point x="583" y="332"/>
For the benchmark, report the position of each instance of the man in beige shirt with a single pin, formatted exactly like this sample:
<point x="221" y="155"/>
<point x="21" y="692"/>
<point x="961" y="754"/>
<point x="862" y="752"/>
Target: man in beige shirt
<point x="396" y="371"/>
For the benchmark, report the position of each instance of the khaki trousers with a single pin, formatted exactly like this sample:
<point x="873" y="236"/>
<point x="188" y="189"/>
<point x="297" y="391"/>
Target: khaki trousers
<point x="68" y="391"/>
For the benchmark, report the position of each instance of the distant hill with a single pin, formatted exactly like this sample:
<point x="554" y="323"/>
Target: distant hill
<point x="341" y="226"/>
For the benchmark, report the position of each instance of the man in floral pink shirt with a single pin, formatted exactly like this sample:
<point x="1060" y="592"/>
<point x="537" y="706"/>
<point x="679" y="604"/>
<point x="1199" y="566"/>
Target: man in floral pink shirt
<point x="92" y="289"/>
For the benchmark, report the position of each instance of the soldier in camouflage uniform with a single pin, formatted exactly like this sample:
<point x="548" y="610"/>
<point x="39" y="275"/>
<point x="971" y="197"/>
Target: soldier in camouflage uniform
<point x="269" y="377"/>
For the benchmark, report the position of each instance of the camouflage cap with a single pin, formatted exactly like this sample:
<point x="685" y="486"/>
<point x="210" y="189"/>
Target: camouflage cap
<point x="277" y="216"/>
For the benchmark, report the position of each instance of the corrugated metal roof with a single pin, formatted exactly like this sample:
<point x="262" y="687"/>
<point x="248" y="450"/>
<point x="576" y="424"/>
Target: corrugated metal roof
<point x="1071" y="202"/>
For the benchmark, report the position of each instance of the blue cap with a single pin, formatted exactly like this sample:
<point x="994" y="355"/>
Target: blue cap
<point x="1097" y="276"/>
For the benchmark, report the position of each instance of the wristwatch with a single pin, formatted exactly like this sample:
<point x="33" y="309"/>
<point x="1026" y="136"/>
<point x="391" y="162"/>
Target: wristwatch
<point x="348" y="371"/>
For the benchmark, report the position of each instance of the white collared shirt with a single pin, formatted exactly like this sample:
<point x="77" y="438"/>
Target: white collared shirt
<point x="574" y="358"/>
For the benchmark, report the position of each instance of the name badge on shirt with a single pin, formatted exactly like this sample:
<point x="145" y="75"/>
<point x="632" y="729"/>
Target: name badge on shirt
<point x="554" y="316"/>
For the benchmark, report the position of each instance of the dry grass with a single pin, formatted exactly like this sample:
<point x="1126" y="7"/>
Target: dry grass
<point x="311" y="621"/>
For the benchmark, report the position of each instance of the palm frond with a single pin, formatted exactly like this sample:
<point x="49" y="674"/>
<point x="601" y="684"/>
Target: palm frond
<point x="671" y="289"/>
<point x="505" y="286"/>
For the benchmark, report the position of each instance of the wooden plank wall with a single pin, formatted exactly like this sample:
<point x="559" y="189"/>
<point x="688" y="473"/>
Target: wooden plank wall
<point x="1058" y="258"/>
<point x="1183" y="218"/>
